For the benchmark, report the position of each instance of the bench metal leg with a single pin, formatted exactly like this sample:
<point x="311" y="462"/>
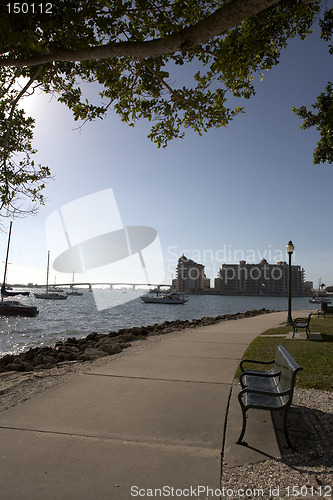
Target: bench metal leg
<point x="240" y="439"/>
<point x="285" y="418"/>
<point x="285" y="429"/>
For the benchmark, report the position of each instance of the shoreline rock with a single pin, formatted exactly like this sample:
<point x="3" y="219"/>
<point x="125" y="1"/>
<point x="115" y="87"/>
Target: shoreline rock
<point x="97" y="345"/>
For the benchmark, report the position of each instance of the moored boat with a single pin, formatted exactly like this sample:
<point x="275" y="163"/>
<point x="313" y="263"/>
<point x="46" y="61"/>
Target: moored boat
<point x="320" y="300"/>
<point x="6" y="293"/>
<point x="72" y="289"/>
<point x="74" y="292"/>
<point x="320" y="296"/>
<point x="13" y="307"/>
<point x="48" y="294"/>
<point x="169" y="298"/>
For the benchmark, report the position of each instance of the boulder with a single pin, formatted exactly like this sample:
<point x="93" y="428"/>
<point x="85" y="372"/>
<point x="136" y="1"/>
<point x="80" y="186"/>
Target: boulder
<point x="110" y="347"/>
<point x="92" y="353"/>
<point x="93" y="336"/>
<point x="113" y="334"/>
<point x="20" y="367"/>
<point x="123" y="345"/>
<point x="126" y="337"/>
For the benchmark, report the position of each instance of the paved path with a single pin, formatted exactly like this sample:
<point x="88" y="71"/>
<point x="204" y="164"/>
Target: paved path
<point x="150" y="419"/>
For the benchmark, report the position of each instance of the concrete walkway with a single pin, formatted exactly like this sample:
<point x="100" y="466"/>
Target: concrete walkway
<point x="147" y="420"/>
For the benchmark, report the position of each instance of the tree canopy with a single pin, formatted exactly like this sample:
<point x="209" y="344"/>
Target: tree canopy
<point x="131" y="48"/>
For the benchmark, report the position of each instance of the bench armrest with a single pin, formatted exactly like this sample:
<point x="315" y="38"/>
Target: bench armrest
<point x="264" y="393"/>
<point x="255" y="361"/>
<point x="303" y="319"/>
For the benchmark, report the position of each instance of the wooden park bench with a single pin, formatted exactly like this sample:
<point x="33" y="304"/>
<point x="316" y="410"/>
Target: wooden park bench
<point x="269" y="390"/>
<point x="302" y="323"/>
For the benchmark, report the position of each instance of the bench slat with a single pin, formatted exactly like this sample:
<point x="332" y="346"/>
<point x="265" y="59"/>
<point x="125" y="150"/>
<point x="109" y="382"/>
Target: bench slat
<point x="264" y="401"/>
<point x="264" y="381"/>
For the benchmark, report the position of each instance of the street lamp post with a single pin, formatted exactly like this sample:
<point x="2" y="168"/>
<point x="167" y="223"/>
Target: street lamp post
<point x="290" y="249"/>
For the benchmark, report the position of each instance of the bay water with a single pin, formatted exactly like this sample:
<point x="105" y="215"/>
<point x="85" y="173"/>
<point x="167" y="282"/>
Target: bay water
<point x="77" y="316"/>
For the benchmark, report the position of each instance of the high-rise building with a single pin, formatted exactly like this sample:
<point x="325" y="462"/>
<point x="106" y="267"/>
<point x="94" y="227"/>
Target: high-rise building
<point x="259" y="279"/>
<point x="191" y="277"/>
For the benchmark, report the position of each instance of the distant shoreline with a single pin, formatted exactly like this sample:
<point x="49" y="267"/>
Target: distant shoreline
<point x="211" y="291"/>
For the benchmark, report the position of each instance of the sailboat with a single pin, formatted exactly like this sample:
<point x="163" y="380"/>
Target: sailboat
<point x="72" y="290"/>
<point x="50" y="294"/>
<point x="320" y="297"/>
<point x="4" y="292"/>
<point x="13" y="307"/>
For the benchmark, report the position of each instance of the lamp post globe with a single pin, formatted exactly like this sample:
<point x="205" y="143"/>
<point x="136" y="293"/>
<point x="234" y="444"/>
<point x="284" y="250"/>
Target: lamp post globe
<point x="290" y="250"/>
<point x="290" y="247"/>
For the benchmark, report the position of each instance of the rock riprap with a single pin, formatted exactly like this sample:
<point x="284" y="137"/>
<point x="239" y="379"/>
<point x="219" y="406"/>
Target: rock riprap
<point x="97" y="345"/>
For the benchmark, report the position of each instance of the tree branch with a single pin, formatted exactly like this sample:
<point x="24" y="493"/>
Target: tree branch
<point x="163" y="82"/>
<point x="10" y="121"/>
<point x="224" y="18"/>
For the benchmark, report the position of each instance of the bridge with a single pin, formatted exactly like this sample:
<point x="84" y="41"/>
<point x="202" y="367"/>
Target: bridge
<point x="111" y="285"/>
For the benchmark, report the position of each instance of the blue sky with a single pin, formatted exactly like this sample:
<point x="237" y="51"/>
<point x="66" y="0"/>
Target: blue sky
<point x="244" y="190"/>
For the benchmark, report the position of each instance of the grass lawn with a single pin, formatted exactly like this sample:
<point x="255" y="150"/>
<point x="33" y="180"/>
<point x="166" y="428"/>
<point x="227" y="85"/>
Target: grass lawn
<point x="316" y="358"/>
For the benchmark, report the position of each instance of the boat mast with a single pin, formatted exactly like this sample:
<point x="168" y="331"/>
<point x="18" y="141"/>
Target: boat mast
<point x="4" y="276"/>
<point x="47" y="271"/>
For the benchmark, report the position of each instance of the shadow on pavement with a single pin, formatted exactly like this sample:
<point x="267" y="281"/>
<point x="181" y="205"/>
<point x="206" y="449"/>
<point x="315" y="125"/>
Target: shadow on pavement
<point x="310" y="432"/>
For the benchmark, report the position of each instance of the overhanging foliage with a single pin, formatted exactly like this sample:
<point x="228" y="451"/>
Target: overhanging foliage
<point x="130" y="48"/>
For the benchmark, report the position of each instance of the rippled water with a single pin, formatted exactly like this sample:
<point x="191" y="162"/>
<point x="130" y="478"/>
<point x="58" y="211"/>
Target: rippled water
<point x="78" y="316"/>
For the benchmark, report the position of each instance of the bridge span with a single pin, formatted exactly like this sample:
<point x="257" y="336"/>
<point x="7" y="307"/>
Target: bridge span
<point x="111" y="285"/>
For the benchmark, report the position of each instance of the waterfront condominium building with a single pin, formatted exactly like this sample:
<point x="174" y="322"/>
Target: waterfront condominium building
<point x="259" y="279"/>
<point x="191" y="277"/>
